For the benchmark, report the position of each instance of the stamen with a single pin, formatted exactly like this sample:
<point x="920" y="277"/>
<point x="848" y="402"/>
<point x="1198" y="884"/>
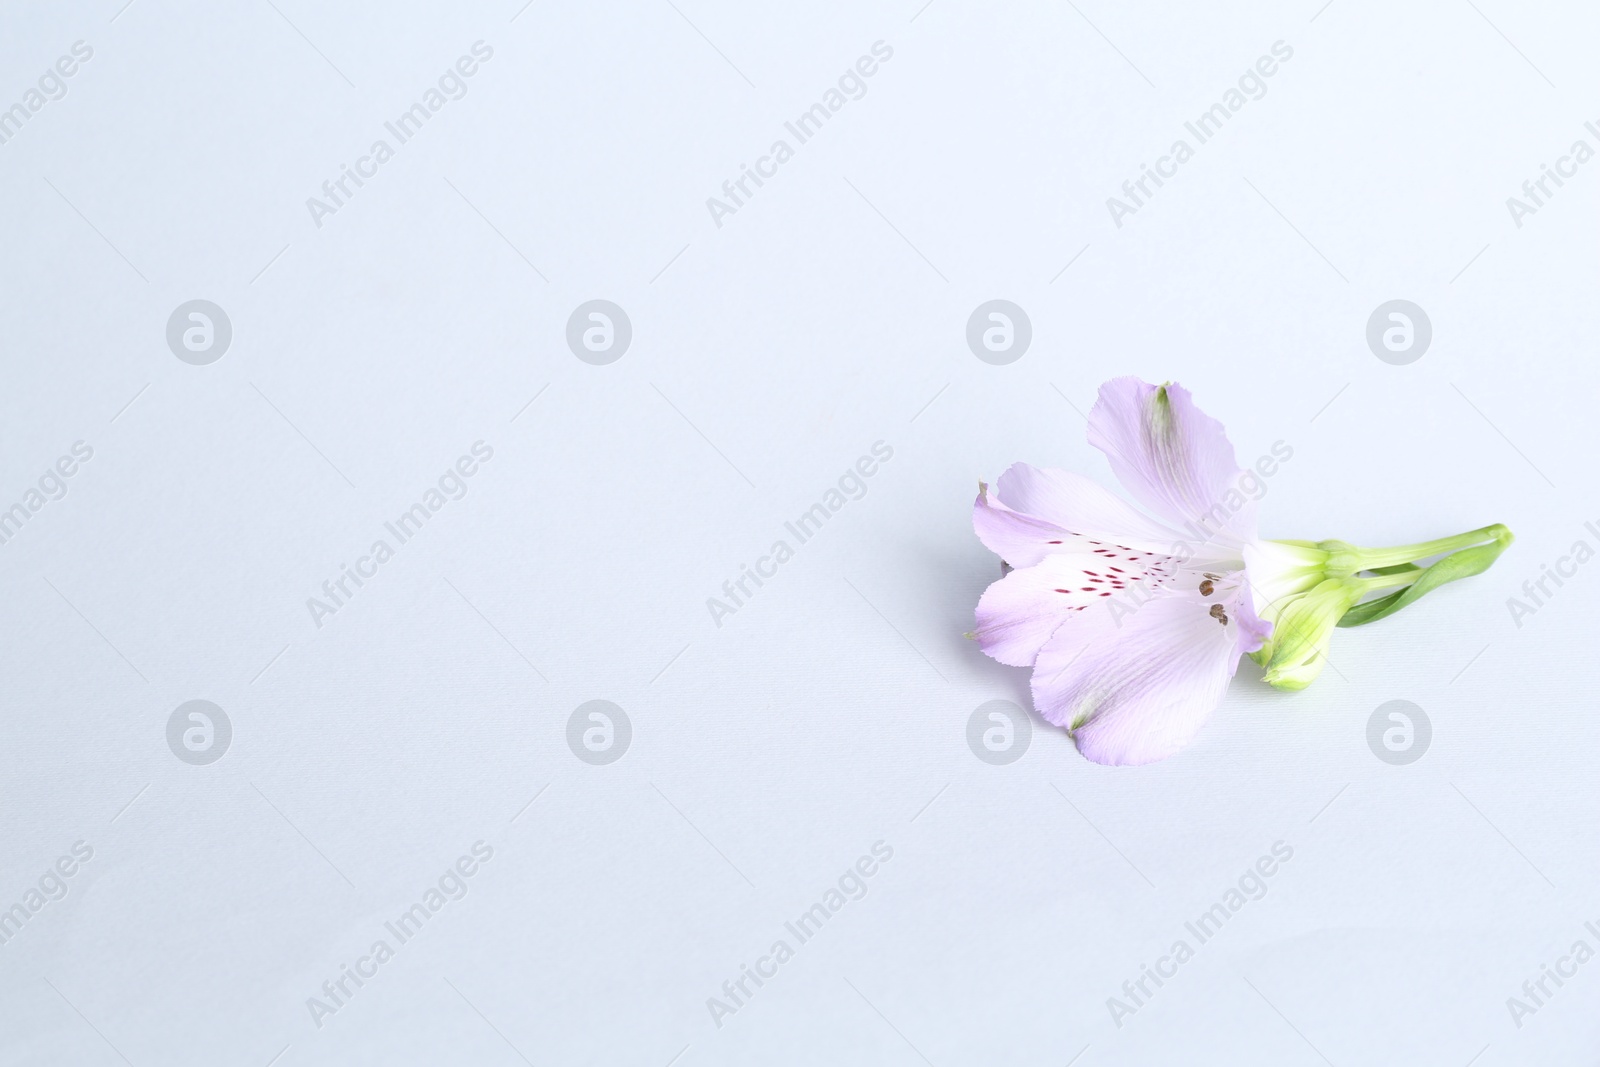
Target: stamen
<point x="1219" y="613"/>
<point x="1206" y="587"/>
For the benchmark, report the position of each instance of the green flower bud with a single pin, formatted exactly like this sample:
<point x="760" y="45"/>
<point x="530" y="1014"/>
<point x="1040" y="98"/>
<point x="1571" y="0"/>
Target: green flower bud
<point x="1303" y="626"/>
<point x="1308" y="588"/>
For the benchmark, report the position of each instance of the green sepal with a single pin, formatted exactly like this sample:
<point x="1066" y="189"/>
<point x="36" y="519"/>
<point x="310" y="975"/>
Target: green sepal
<point x="1371" y="610"/>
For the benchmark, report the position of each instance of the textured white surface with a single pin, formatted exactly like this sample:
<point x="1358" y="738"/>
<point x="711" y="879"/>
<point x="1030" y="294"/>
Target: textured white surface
<point x="768" y="354"/>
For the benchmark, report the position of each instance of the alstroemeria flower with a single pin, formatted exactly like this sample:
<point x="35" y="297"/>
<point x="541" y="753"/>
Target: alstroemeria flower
<point x="1134" y="623"/>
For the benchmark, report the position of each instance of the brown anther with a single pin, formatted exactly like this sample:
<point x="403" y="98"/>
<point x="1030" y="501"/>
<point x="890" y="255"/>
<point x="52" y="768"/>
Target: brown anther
<point x="1206" y="587"/>
<point x="1219" y="613"/>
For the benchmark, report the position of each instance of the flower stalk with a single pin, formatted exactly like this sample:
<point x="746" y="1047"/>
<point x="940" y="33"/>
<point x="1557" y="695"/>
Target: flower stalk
<point x="1325" y="584"/>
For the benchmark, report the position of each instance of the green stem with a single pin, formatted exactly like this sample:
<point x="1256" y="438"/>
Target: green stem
<point x="1371" y="558"/>
<point x="1468" y="554"/>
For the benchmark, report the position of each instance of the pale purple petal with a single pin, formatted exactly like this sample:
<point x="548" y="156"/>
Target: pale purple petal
<point x="1080" y="505"/>
<point x="1020" y="612"/>
<point x="1253" y="630"/>
<point x="1018" y="539"/>
<point x="1173" y="458"/>
<point x="1135" y="688"/>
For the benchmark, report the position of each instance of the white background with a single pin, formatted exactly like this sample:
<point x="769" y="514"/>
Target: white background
<point x="768" y="354"/>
